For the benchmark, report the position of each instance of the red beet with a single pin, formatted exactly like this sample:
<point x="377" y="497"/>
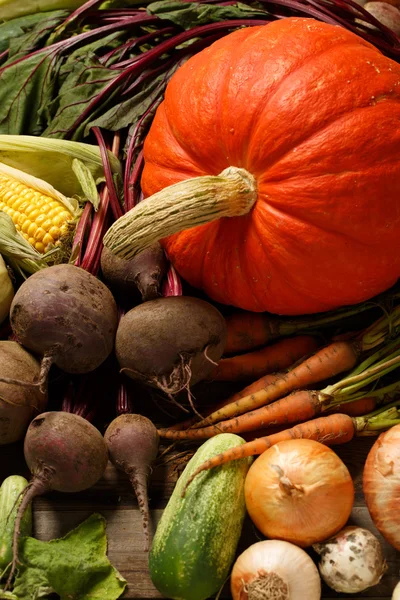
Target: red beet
<point x="132" y="442"/>
<point x="65" y="453"/>
<point x="140" y="275"/>
<point x="170" y="343"/>
<point x="66" y="315"/>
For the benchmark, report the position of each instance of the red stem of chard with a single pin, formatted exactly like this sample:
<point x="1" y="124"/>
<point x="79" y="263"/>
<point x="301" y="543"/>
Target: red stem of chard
<point x="148" y="57"/>
<point x="81" y="233"/>
<point x="114" y="202"/>
<point x="132" y="180"/>
<point x="124" y="399"/>
<point x="91" y="258"/>
<point x="172" y="286"/>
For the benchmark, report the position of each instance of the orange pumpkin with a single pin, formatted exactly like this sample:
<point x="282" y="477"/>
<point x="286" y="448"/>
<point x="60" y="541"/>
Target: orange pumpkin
<point x="308" y="114"/>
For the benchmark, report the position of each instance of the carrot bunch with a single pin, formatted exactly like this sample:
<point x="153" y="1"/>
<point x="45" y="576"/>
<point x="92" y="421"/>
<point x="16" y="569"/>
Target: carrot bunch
<point x="277" y="400"/>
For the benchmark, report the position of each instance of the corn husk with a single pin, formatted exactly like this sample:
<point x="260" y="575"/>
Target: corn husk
<point x="11" y="9"/>
<point x="56" y="161"/>
<point x="67" y="171"/>
<point x="21" y="256"/>
<point x="6" y="291"/>
<point x="71" y="204"/>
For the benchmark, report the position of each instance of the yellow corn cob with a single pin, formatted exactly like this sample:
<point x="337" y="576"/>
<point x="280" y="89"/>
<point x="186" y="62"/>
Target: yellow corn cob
<point x="41" y="219"/>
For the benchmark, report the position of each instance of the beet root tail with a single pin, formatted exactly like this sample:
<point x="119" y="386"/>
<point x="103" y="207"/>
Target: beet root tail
<point x="139" y="484"/>
<point x="39" y="485"/>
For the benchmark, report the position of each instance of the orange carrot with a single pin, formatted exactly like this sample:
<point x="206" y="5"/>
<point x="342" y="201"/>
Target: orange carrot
<point x="250" y="389"/>
<point x="357" y="408"/>
<point x="334" y="429"/>
<point x="327" y="362"/>
<point x="298" y="406"/>
<point x="276" y="357"/>
<point x="247" y="330"/>
<point x="304" y="404"/>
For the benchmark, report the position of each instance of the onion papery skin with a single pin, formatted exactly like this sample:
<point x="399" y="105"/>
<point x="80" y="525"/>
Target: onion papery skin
<point x="299" y="491"/>
<point x="381" y="484"/>
<point x="276" y="566"/>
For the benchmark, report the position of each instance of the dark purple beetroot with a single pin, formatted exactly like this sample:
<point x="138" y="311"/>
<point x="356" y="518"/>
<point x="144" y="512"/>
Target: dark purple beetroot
<point x="139" y="276"/>
<point x="19" y="404"/>
<point x="66" y="315"/>
<point x="132" y="442"/>
<point x="170" y="343"/>
<point x="65" y="453"/>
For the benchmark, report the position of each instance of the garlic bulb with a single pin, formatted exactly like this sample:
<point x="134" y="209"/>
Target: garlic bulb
<point x="396" y="592"/>
<point x="351" y="561"/>
<point x="275" y="570"/>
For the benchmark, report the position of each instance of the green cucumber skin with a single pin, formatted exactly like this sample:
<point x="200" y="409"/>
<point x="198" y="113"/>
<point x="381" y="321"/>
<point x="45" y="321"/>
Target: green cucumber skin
<point x="196" y="539"/>
<point x="10" y="489"/>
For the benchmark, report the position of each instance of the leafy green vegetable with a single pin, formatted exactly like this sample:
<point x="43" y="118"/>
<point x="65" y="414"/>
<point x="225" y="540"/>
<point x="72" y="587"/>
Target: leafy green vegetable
<point x="25" y="89"/>
<point x="11" y="9"/>
<point x="131" y="110"/>
<point x="10" y="500"/>
<point x="193" y="14"/>
<point x="86" y="78"/>
<point x="20" y="26"/>
<point x="75" y="567"/>
<point x="37" y="36"/>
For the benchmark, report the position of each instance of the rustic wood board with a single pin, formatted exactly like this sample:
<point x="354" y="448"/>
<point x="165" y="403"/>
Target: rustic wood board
<point x="56" y="514"/>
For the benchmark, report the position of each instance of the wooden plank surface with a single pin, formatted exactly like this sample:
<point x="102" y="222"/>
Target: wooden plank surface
<point x="55" y="514"/>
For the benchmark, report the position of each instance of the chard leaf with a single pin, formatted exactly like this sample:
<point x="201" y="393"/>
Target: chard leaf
<point x="188" y="15"/>
<point x="75" y="567"/>
<point x="19" y="27"/>
<point x="25" y="88"/>
<point x="38" y="34"/>
<point x="11" y="9"/>
<point x="86" y="79"/>
<point x="128" y="112"/>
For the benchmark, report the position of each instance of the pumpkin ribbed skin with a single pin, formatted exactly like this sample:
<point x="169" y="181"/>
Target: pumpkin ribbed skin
<point x="313" y="112"/>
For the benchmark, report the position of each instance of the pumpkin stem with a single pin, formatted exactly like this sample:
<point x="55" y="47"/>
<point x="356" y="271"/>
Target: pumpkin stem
<point x="186" y="204"/>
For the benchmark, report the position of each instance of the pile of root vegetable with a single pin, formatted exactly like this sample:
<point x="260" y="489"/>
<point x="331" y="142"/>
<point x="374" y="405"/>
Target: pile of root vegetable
<point x="109" y="358"/>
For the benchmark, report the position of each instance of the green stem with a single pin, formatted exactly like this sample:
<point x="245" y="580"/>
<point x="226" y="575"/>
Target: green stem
<point x="285" y="326"/>
<point x="373" y="368"/>
<point x="384" y="327"/>
<point x="378" y="419"/>
<point x="186" y="204"/>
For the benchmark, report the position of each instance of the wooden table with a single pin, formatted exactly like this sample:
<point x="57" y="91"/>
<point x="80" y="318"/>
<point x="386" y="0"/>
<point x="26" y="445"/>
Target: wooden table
<point x="56" y="514"/>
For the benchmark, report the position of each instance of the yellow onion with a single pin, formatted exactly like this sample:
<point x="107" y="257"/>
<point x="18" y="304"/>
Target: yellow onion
<point x="381" y="484"/>
<point x="274" y="569"/>
<point x="299" y="491"/>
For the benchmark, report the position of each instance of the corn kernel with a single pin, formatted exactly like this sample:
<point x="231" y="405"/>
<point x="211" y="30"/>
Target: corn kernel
<point x="25" y="226"/>
<point x="47" y="224"/>
<point x="40" y="247"/>
<point x="55" y="232"/>
<point x="39" y="235"/>
<point x="33" y="214"/>
<point x="32" y="229"/>
<point x="47" y="239"/>
<point x="39" y="218"/>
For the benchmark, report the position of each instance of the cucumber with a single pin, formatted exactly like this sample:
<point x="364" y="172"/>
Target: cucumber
<point x="10" y="500"/>
<point x="196" y="539"/>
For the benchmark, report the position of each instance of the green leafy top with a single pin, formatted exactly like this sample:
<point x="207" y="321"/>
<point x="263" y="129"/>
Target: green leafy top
<point x="75" y="567"/>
